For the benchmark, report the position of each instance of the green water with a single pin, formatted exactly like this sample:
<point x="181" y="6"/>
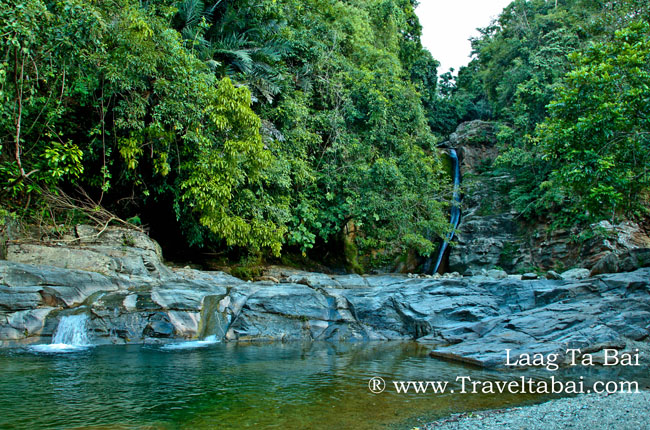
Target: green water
<point x="229" y="386"/>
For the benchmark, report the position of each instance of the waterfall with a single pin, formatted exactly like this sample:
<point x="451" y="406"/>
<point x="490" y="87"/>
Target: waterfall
<point x="212" y="326"/>
<point x="71" y="335"/>
<point x="213" y="320"/>
<point x="72" y="330"/>
<point x="455" y="212"/>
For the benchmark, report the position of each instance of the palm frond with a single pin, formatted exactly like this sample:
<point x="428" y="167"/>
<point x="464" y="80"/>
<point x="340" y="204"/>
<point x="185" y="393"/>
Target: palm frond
<point x="190" y="12"/>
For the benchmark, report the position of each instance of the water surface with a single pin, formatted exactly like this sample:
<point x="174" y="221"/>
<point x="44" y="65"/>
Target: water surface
<point x="229" y="386"/>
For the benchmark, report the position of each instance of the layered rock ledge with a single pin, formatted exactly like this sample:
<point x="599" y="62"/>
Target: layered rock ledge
<point x="472" y="319"/>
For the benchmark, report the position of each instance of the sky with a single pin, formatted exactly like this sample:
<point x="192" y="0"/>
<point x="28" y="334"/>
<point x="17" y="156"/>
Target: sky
<point x="447" y="26"/>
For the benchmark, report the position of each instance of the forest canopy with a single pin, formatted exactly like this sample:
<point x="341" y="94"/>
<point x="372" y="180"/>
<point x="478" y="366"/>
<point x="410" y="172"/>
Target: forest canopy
<point x="268" y="127"/>
<point x="567" y="85"/>
<point x="236" y="124"/>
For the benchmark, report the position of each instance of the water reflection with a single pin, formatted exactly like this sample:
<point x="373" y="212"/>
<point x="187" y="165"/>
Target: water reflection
<point x="230" y="386"/>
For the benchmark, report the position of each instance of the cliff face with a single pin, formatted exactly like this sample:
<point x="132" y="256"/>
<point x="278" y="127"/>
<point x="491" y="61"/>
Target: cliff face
<point x="489" y="235"/>
<point x="492" y="235"/>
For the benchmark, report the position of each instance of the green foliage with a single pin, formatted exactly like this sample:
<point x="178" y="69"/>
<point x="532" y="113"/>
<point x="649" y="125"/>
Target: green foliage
<point x="259" y="123"/>
<point x="351" y="253"/>
<point x="356" y="146"/>
<point x="248" y="268"/>
<point x="596" y="136"/>
<point x="95" y="79"/>
<point x="567" y="83"/>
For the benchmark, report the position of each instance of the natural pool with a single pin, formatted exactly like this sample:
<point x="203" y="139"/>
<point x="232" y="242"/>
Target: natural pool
<point x="230" y="386"/>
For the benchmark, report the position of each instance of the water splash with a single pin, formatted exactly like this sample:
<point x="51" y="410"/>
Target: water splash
<point x="71" y="335"/>
<point x="210" y="340"/>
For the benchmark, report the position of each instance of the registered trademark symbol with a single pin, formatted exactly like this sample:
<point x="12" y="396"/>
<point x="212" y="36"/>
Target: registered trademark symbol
<point x="376" y="385"/>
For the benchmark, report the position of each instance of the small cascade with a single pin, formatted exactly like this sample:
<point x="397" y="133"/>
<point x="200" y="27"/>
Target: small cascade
<point x="212" y="326"/>
<point x="455" y="212"/>
<point x="71" y="335"/>
<point x="72" y="330"/>
<point x="213" y="319"/>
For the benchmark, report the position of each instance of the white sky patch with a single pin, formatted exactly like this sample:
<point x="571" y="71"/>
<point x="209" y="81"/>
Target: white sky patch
<point x="447" y="26"/>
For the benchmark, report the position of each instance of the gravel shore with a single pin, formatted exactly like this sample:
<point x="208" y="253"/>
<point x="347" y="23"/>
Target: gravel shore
<point x="590" y="411"/>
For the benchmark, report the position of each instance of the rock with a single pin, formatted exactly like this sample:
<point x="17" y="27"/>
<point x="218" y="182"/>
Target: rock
<point x="26" y="323"/>
<point x="184" y="296"/>
<point x="208" y="277"/>
<point x="489" y="234"/>
<point x="313" y="280"/>
<point x="551" y="274"/>
<point x="116" y="251"/>
<point x="159" y="326"/>
<point x="185" y="323"/>
<point x="497" y="274"/>
<point x="575" y="274"/>
<point x="529" y="276"/>
<point x="117" y="237"/>
<point x="468" y="319"/>
<point x="272" y="313"/>
<point x="215" y="316"/>
<point x="634" y="259"/>
<point x="483" y="242"/>
<point x="19" y="298"/>
<point x="475" y="142"/>
<point x="607" y="264"/>
<point x="351" y="281"/>
<point x="572" y="315"/>
<point x="267" y="279"/>
<point x="54" y="286"/>
<point x="624" y="236"/>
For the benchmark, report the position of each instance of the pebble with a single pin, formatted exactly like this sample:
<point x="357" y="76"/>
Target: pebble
<point x="621" y="411"/>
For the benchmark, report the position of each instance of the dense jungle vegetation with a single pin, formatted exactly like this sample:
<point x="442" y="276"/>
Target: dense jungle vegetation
<point x="568" y="85"/>
<point x="267" y="127"/>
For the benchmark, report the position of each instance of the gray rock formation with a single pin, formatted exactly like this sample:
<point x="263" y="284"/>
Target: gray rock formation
<point x="611" y="311"/>
<point x="472" y="319"/>
<point x="116" y="251"/>
<point x="475" y="142"/>
<point x="577" y="273"/>
<point x="491" y="234"/>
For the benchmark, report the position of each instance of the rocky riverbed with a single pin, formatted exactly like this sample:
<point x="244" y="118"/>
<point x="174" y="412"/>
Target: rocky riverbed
<point x="619" y="411"/>
<point x="131" y="297"/>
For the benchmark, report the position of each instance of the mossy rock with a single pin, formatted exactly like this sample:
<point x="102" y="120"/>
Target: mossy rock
<point x="351" y="254"/>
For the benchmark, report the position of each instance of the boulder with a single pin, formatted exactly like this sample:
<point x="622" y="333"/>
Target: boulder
<point x="578" y="273"/>
<point x="551" y="274"/>
<point x="627" y="261"/>
<point x="159" y="326"/>
<point x="114" y="251"/>
<point x="607" y="264"/>
<point x="497" y="274"/>
<point x="634" y="259"/>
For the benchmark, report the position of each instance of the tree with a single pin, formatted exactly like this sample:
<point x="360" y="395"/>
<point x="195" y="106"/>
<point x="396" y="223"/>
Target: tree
<point x="110" y="90"/>
<point x="597" y="136"/>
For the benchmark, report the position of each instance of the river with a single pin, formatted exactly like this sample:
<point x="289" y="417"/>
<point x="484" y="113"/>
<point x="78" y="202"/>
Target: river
<point x="230" y="386"/>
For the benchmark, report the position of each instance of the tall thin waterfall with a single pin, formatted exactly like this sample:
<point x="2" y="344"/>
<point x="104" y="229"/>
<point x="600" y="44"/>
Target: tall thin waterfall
<point x="455" y="213"/>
